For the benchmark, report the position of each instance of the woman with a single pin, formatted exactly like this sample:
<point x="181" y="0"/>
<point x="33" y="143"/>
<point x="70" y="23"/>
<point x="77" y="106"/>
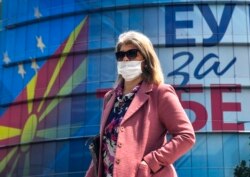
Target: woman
<point x="137" y="115"/>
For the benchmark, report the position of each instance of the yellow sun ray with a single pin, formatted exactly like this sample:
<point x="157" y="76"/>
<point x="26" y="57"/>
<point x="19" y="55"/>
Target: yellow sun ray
<point x="49" y="133"/>
<point x="52" y="133"/>
<point x="13" y="166"/>
<point x="31" y="86"/>
<point x="59" y="65"/>
<point x="7" y="158"/>
<point x="79" y="75"/>
<point x="26" y="164"/>
<point x="8" y="132"/>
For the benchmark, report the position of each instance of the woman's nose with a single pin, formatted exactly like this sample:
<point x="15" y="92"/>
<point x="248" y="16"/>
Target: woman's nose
<point x="125" y="58"/>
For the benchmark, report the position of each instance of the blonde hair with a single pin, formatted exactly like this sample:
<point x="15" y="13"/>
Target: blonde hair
<point x="151" y="72"/>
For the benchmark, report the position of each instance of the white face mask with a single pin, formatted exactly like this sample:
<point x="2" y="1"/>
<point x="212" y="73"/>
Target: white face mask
<point x="129" y="69"/>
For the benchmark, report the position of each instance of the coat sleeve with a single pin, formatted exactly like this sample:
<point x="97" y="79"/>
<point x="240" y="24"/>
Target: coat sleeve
<point x="178" y="125"/>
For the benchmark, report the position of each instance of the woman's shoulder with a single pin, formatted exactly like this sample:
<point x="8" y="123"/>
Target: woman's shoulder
<point x="163" y="87"/>
<point x="164" y="91"/>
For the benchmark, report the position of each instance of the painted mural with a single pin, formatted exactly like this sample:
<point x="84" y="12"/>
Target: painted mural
<point x="57" y="61"/>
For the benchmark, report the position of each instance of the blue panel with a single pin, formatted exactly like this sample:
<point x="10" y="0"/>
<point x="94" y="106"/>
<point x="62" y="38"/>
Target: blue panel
<point x="31" y="41"/>
<point x="94" y="66"/>
<point x="108" y="3"/>
<point x="107" y="30"/>
<point x="22" y="12"/>
<point x="1" y="19"/>
<point x="20" y="45"/>
<point x="108" y="67"/>
<point x="92" y="116"/>
<point x="199" y="157"/>
<point x="231" y="147"/>
<point x="121" y="21"/>
<point x="151" y="19"/>
<point x="63" y="157"/>
<point x="244" y="146"/>
<point x="95" y="31"/>
<point x="184" y="165"/>
<point x="10" y="86"/>
<point x="122" y="2"/>
<point x="215" y="155"/>
<point x="135" y="19"/>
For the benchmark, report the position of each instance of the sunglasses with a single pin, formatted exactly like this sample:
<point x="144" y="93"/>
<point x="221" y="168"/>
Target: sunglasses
<point x="130" y="54"/>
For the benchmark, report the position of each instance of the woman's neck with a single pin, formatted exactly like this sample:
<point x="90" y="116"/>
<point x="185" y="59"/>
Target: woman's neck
<point x="129" y="85"/>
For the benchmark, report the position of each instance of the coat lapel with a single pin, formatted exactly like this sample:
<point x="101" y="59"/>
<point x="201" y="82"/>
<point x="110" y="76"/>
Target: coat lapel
<point x="107" y="109"/>
<point x="140" y="98"/>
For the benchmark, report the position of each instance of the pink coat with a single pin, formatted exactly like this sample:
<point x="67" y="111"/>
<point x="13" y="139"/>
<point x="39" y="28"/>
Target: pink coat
<point x="154" y="112"/>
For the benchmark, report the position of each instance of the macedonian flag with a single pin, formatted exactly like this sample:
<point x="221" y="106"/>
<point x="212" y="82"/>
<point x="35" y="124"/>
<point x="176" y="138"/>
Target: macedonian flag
<point x="37" y="114"/>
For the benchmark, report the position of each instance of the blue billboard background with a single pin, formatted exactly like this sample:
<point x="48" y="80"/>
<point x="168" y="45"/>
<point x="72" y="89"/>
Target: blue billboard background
<point x="57" y="62"/>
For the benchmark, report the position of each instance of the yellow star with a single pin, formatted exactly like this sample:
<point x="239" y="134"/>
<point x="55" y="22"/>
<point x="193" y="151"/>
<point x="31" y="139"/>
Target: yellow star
<point x="6" y="58"/>
<point x="40" y="43"/>
<point x="21" y="70"/>
<point x="34" y="65"/>
<point x="37" y="12"/>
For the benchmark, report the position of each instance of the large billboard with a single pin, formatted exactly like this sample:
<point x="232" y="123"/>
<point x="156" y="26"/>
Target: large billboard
<point x="58" y="61"/>
<point x="211" y="57"/>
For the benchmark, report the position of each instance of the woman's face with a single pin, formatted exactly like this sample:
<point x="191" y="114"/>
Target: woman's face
<point x="129" y="52"/>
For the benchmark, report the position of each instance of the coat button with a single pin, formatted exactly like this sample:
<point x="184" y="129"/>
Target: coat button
<point x="117" y="161"/>
<point x="119" y="145"/>
<point x="122" y="129"/>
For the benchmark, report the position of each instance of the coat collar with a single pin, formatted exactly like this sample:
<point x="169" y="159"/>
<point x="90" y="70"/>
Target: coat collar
<point x="139" y="99"/>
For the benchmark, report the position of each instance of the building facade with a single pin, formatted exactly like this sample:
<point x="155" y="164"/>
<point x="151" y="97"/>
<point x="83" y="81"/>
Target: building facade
<point x="57" y="61"/>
